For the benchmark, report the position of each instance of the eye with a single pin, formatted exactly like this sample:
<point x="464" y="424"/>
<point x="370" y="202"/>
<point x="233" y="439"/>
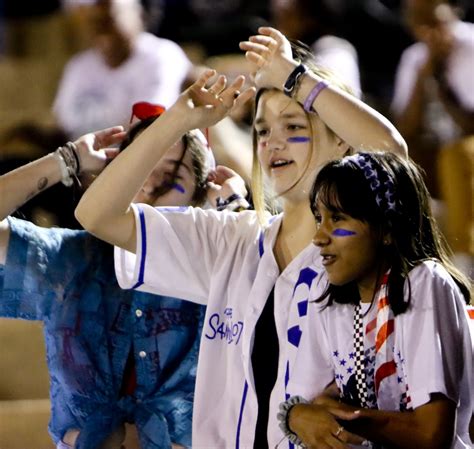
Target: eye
<point x="262" y="132"/>
<point x="317" y="217"/>
<point x="336" y="217"/>
<point x="295" y="127"/>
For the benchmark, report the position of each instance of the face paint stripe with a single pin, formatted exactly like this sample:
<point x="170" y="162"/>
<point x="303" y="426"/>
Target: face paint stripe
<point x="178" y="187"/>
<point x="298" y="139"/>
<point x="342" y="233"/>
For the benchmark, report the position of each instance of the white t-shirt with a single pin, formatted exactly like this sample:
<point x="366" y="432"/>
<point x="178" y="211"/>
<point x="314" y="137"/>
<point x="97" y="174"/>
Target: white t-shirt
<point x="223" y="260"/>
<point x="433" y="350"/>
<point x="459" y="74"/>
<point x="93" y="95"/>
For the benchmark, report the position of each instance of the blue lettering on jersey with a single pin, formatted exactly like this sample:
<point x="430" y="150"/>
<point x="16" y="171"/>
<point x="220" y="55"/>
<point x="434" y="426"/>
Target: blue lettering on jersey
<point x="224" y="327"/>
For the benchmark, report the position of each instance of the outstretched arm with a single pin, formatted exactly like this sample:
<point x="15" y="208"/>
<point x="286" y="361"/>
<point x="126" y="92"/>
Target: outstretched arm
<point x="105" y="208"/>
<point x="24" y="183"/>
<point x="355" y="122"/>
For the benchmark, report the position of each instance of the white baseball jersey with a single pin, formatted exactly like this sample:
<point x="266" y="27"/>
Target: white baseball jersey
<point x="432" y="349"/>
<point x="224" y="260"/>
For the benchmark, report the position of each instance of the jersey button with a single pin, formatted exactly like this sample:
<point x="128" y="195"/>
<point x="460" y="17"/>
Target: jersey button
<point x="138" y="313"/>
<point x="142" y="354"/>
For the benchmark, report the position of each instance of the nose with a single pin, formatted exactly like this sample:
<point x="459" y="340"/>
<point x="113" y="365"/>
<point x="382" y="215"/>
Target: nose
<point x="275" y="141"/>
<point x="322" y="236"/>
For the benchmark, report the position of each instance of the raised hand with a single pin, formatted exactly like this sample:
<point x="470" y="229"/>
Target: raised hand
<point x="270" y="54"/>
<point x="223" y="183"/>
<point x="200" y="106"/>
<point x="93" y="148"/>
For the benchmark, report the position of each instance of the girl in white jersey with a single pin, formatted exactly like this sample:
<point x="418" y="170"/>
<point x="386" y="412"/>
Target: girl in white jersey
<point x="254" y="277"/>
<point x="390" y="324"/>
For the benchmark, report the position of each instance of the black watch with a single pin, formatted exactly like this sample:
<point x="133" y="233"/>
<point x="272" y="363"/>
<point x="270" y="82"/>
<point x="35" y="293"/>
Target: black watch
<point x="290" y="85"/>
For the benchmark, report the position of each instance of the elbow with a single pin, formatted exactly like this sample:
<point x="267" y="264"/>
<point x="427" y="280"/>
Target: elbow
<point x="88" y="218"/>
<point x="395" y="143"/>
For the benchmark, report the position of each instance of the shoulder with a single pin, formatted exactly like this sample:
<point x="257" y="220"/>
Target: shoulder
<point x="25" y="233"/>
<point x="160" y="47"/>
<point x="430" y="284"/>
<point x="431" y="272"/>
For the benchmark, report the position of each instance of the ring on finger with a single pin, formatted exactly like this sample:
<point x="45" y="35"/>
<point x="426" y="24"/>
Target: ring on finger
<point x="339" y="431"/>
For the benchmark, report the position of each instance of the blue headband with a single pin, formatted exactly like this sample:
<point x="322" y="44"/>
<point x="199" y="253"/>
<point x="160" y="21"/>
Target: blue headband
<point x="380" y="180"/>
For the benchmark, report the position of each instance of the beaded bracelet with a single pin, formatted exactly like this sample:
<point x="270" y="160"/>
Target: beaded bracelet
<point x="283" y="415"/>
<point x="234" y="203"/>
<point x="69" y="165"/>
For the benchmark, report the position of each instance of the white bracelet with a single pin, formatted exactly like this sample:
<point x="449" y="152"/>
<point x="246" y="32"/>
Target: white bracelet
<point x="66" y="175"/>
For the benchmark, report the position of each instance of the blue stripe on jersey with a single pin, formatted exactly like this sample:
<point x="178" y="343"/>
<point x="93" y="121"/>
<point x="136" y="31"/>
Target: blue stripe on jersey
<point x="141" y="273"/>
<point x="241" y="413"/>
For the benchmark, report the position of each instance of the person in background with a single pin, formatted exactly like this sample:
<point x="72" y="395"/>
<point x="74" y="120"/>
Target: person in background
<point x="433" y="107"/>
<point x="123" y="65"/>
<point x="387" y="354"/>
<point x="114" y="356"/>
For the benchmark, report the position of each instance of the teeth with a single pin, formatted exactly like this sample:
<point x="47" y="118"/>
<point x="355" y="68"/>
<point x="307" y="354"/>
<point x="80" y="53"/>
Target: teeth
<point x="279" y="163"/>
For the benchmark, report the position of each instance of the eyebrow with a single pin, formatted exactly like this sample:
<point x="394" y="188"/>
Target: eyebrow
<point x="286" y="115"/>
<point x="178" y="164"/>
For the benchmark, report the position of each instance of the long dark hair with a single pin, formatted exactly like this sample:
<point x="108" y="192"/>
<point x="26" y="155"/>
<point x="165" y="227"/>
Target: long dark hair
<point x="400" y="208"/>
<point x="198" y="156"/>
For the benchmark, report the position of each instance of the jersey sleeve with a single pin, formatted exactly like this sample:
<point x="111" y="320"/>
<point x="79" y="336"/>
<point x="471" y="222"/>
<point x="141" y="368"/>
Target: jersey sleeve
<point x="434" y="336"/>
<point x="40" y="264"/>
<point x="179" y="249"/>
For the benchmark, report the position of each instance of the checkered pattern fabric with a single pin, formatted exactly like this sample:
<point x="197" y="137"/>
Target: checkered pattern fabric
<point x="359" y="363"/>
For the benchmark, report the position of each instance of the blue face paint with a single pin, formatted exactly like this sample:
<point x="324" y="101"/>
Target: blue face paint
<point x="298" y="139"/>
<point x="178" y="187"/>
<point x="342" y="233"/>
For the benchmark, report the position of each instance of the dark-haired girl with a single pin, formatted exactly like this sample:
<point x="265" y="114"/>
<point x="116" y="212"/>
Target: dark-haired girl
<point x="388" y="353"/>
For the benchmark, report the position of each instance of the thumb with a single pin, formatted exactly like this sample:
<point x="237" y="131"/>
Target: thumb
<point x="110" y="153"/>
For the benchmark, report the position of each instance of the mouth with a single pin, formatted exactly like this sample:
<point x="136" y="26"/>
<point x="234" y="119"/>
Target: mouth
<point x="328" y="259"/>
<point x="277" y="164"/>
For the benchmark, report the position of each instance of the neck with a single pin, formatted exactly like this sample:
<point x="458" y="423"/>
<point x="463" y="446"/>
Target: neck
<point x="296" y="232"/>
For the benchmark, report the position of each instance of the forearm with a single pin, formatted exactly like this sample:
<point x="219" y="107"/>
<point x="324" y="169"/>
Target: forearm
<point x="24" y="183"/>
<point x="428" y="427"/>
<point x="355" y="122"/>
<point x="104" y="209"/>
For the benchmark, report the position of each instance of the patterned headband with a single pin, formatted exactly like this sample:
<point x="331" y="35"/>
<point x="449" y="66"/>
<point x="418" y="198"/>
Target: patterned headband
<point x="380" y="180"/>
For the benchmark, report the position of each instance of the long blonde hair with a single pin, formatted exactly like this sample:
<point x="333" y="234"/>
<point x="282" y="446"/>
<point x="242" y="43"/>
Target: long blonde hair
<point x="264" y="201"/>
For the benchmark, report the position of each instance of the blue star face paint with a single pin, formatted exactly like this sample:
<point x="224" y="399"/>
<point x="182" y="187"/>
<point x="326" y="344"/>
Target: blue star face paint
<point x="342" y="233"/>
<point x="298" y="139"/>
